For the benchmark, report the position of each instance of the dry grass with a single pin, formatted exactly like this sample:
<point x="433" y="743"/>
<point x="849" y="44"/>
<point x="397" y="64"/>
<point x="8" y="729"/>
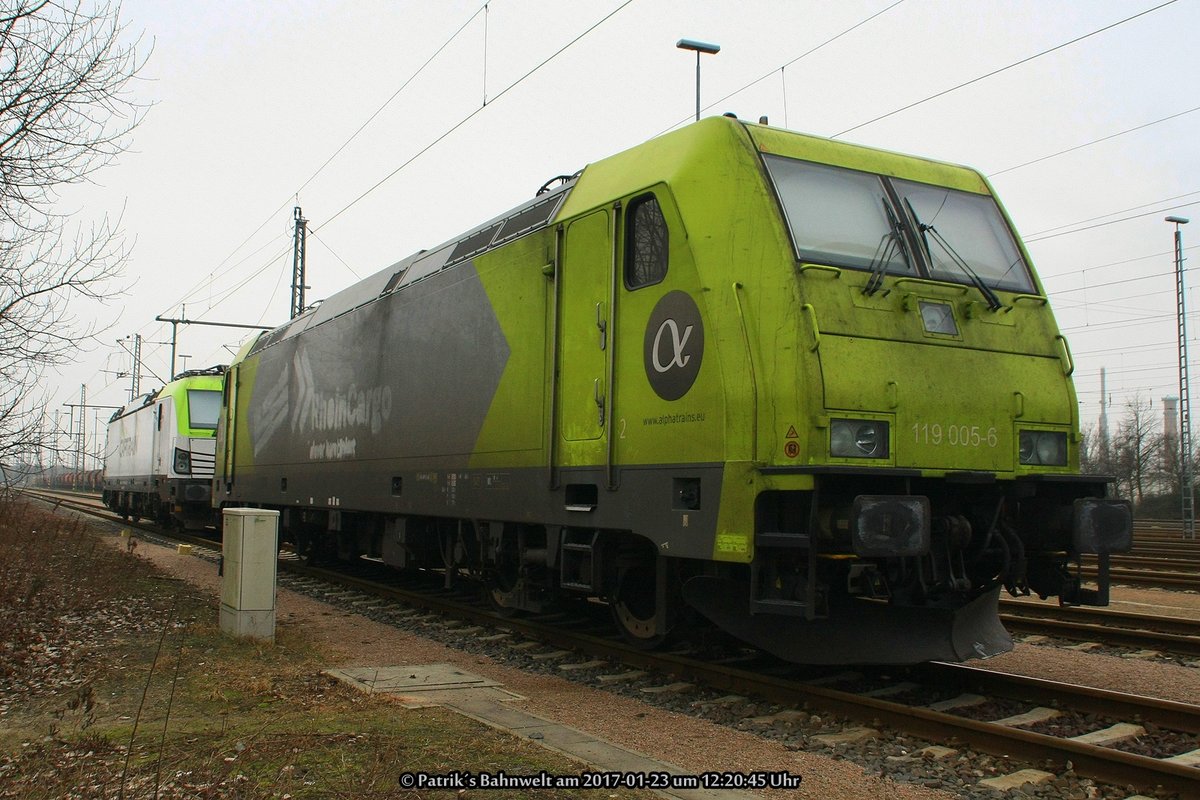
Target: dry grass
<point x="115" y="682"/>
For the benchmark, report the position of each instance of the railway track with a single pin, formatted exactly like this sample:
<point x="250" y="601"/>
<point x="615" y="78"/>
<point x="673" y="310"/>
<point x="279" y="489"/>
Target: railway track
<point x="1178" y="635"/>
<point x="873" y="698"/>
<point x="898" y="699"/>
<point x="948" y="703"/>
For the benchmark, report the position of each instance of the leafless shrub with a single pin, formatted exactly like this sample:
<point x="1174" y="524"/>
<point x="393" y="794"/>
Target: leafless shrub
<point x="65" y="112"/>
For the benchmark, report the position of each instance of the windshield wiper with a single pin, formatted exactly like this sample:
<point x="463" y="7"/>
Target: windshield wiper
<point x="889" y="244"/>
<point x="990" y="296"/>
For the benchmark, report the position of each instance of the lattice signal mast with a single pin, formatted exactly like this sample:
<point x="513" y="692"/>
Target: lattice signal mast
<point x="298" y="244"/>
<point x="1187" y="507"/>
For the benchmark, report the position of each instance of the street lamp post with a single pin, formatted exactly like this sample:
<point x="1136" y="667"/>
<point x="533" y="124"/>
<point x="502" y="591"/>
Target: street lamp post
<point x="1187" y="508"/>
<point x="699" y="47"/>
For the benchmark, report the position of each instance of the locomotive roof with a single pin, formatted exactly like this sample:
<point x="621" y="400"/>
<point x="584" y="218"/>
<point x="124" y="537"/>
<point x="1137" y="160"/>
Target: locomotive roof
<point x="549" y="204"/>
<point x="526" y="218"/>
<point x="199" y="378"/>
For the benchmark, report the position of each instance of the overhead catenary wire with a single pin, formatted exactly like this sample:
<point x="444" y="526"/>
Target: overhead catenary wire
<point x="313" y="229"/>
<point x="484" y="9"/>
<point x="471" y="116"/>
<point x="331" y="158"/>
<point x="1155" y="212"/>
<point x="1121" y="263"/>
<point x="1113" y="213"/>
<point x="1106" y="284"/>
<point x="1120" y="323"/>
<point x="1092" y="142"/>
<point x="780" y="69"/>
<point x="1000" y="70"/>
<point x="333" y="253"/>
<point x="259" y="250"/>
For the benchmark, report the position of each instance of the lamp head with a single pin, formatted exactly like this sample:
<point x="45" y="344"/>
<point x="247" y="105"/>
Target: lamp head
<point x="699" y="47"/>
<point x="1178" y="220"/>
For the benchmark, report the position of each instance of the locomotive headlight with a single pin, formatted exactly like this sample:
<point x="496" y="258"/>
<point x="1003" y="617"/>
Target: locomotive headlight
<point x="183" y="462"/>
<point x="858" y="438"/>
<point x="1044" y="448"/>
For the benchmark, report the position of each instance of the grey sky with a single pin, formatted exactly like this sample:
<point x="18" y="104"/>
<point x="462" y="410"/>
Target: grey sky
<point x="251" y="99"/>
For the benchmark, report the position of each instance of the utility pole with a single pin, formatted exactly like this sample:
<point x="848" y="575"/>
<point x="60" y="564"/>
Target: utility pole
<point x="81" y="432"/>
<point x="1104" y="419"/>
<point x="298" y="247"/>
<point x="135" y="369"/>
<point x="97" y="451"/>
<point x="175" y="340"/>
<point x="80" y="445"/>
<point x="135" y="385"/>
<point x="41" y="447"/>
<point x="176" y="321"/>
<point x="57" y="431"/>
<point x="1187" y="507"/>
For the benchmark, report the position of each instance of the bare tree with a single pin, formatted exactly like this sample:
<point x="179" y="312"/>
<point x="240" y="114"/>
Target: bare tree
<point x="1172" y="475"/>
<point x="1136" y="449"/>
<point x="65" y="112"/>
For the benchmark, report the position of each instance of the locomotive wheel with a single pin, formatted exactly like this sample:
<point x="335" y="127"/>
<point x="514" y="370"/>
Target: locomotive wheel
<point x="309" y="549"/>
<point x="504" y="583"/>
<point x="634" y="607"/>
<point x="498" y="596"/>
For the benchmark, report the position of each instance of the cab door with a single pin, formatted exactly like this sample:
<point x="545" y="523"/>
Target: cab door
<point x="584" y="340"/>
<point x="226" y="429"/>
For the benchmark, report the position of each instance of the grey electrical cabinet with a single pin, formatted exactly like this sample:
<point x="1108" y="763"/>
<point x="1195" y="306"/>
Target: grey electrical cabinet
<point x="250" y="550"/>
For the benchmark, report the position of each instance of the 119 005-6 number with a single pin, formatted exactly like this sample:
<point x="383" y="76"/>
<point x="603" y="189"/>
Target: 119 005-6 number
<point x="936" y="433"/>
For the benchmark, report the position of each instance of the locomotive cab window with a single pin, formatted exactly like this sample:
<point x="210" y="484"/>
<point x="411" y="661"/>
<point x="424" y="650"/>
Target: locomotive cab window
<point x="839" y="216"/>
<point x="958" y="228"/>
<point x="858" y="220"/>
<point x="204" y="406"/>
<point x="646" y="243"/>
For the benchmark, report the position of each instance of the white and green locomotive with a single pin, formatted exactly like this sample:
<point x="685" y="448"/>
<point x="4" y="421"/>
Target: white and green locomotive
<point x="158" y="461"/>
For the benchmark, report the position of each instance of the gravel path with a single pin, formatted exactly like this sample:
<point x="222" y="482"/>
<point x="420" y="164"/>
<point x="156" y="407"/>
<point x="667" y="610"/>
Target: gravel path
<point x="1121" y="674"/>
<point x="692" y="743"/>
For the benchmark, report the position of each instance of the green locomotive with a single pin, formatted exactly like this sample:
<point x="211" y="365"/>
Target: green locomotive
<point x="810" y="390"/>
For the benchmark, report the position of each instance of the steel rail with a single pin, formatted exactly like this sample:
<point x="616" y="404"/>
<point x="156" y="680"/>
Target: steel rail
<point x="1101" y="763"/>
<point x="1121" y="637"/>
<point x="1161" y="579"/>
<point x="1169" y="714"/>
<point x="1183" y="626"/>
<point x="1168" y="562"/>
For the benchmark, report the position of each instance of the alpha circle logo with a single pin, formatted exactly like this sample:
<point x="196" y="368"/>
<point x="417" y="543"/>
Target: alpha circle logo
<point x="674" y="346"/>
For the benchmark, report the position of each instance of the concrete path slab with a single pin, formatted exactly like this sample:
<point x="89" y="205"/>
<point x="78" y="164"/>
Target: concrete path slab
<point x="487" y="702"/>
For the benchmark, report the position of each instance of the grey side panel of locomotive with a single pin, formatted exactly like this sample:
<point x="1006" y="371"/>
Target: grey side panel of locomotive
<point x="410" y="376"/>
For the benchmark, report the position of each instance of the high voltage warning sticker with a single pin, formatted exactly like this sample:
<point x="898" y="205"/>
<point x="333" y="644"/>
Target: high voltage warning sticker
<point x="792" y="448"/>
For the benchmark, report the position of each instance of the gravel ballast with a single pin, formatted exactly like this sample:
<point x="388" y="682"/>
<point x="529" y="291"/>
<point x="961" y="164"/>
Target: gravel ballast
<point x="688" y="730"/>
